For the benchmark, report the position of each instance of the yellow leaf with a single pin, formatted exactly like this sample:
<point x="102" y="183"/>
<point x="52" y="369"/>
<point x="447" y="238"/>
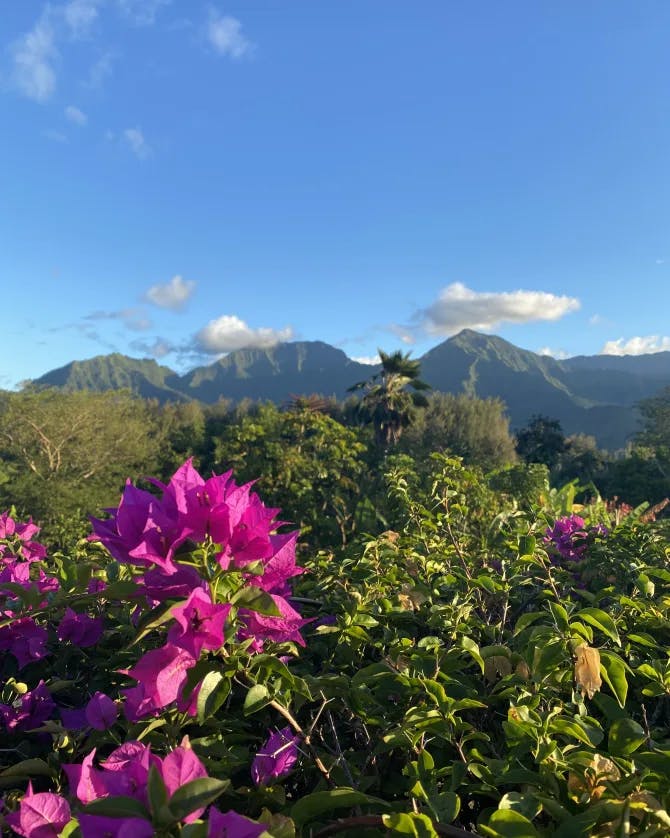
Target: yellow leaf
<point x="587" y="669"/>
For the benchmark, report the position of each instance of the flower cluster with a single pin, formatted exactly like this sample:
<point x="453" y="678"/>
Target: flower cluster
<point x="569" y="537"/>
<point x="207" y="556"/>
<point x="21" y="572"/>
<point x="154" y="534"/>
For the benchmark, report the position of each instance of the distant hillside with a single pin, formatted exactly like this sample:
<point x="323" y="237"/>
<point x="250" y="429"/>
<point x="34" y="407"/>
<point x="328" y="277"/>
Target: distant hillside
<point x="114" y="372"/>
<point x="301" y="367"/>
<point x="588" y="394"/>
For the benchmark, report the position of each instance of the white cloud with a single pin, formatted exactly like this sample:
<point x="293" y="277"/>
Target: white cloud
<point x="141" y="12"/>
<point x="225" y="34"/>
<point x="366" y="359"/>
<point x="134" y="138"/>
<point x="75" y="115"/>
<point x="660" y="261"/>
<point x="173" y="294"/>
<point x="80" y="15"/>
<point x="458" y="307"/>
<point x="34" y="55"/>
<point x="228" y="333"/>
<point x="559" y="354"/>
<point x="403" y="333"/>
<point x="637" y="346"/>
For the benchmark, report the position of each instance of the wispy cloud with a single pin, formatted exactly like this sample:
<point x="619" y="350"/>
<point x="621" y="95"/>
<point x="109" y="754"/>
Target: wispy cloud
<point x="459" y="307"/>
<point x="660" y="261"/>
<point x="173" y="294"/>
<point x="34" y="56"/>
<point x="224" y="33"/>
<point x="141" y="12"/>
<point x="80" y="15"/>
<point x="157" y="348"/>
<point x="134" y="139"/>
<point x="637" y="346"/>
<point x="228" y="332"/>
<point x="100" y="70"/>
<point x="366" y="359"/>
<point x="134" y="319"/>
<point x="559" y="354"/>
<point x="75" y="115"/>
<point x="55" y="136"/>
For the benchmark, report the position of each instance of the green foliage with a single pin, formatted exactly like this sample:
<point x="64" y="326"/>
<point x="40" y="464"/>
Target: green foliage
<point x="312" y="467"/>
<point x="72" y="452"/>
<point x="391" y="397"/>
<point x="541" y="441"/>
<point x="475" y="429"/>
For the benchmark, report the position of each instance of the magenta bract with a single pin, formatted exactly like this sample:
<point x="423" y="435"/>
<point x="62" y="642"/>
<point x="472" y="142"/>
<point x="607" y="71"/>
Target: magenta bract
<point x="276" y="758"/>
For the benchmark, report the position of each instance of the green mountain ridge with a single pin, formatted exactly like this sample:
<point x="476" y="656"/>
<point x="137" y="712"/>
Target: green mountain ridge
<point x="588" y="394"/>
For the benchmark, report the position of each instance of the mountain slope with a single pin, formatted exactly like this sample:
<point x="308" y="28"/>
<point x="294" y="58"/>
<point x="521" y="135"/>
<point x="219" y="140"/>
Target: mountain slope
<point x="594" y="395"/>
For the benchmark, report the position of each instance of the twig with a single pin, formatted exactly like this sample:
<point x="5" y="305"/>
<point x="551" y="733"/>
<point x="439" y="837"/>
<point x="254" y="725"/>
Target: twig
<point x="306" y="738"/>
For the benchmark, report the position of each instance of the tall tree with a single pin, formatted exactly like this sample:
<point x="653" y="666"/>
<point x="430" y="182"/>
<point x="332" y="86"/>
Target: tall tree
<point x="475" y="429"/>
<point x="541" y="441"/>
<point x="392" y="396"/>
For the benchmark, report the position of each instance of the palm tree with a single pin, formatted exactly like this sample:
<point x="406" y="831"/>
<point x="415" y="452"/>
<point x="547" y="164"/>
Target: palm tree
<point x="392" y="396"/>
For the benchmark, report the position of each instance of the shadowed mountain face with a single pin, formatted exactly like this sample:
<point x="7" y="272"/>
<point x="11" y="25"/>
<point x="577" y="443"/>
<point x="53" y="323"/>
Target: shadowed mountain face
<point x="588" y="394"/>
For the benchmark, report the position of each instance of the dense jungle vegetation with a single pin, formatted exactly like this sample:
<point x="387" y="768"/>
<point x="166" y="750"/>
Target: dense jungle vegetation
<point x="469" y="637"/>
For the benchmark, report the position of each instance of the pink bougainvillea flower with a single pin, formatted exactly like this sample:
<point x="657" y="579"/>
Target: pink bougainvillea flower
<point x="200" y="623"/>
<point x="181" y="766"/>
<point x="86" y="781"/>
<point x="174" y="583"/>
<point x="73" y="719"/>
<point x="25" y="640"/>
<point x="276" y="758"/>
<point x="22" y="573"/>
<point x="80" y="629"/>
<point x="127" y="770"/>
<point x="101" y="711"/>
<point x="30" y="711"/>
<point x="96" y="585"/>
<point x="41" y="815"/>
<point x="277" y="629"/>
<point x="95" y="826"/>
<point x="281" y="566"/>
<point x="161" y="674"/>
<point x="232" y="825"/>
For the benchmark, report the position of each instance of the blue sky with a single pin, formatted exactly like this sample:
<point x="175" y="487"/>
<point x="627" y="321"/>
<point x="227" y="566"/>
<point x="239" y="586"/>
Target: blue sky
<point x="181" y="178"/>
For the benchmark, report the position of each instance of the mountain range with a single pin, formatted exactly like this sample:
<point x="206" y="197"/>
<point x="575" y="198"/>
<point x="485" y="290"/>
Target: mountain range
<point x="589" y="394"/>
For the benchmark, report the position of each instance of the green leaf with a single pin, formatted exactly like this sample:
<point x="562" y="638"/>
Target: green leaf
<point x="571" y="728"/>
<point x="123" y="589"/>
<point x="214" y="690"/>
<point x="560" y="615"/>
<point x="470" y="646"/>
<point x="507" y="823"/>
<point x="625" y="737"/>
<point x="527" y="544"/>
<point x="254" y="599"/>
<point x="257" y="698"/>
<point x="154" y="619"/>
<point x="526" y="620"/>
<point x="28" y="768"/>
<point x="321" y="802"/>
<point x="157" y="794"/>
<point x="117" y="807"/>
<point x="404" y="823"/>
<point x="601" y="620"/>
<point x="613" y="671"/>
<point x="195" y="795"/>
